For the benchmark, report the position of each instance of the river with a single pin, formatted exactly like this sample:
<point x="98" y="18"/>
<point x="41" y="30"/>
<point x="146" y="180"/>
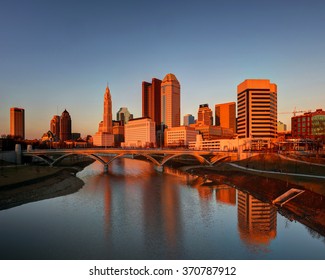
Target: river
<point x="135" y="212"/>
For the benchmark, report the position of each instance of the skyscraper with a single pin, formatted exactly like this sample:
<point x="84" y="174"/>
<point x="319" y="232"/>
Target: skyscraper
<point x="124" y="115"/>
<point x="65" y="126"/>
<point x="107" y="118"/>
<point x="188" y="119"/>
<point x="204" y="115"/>
<point x="151" y="100"/>
<point x="257" y="109"/>
<point x="55" y="125"/>
<point x="17" y="122"/>
<point x="225" y="115"/>
<point x="170" y="101"/>
<point x="104" y="136"/>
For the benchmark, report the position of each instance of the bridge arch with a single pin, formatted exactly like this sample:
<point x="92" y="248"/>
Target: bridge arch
<point x="95" y="157"/>
<point x="43" y="158"/>
<point x="201" y="159"/>
<point x="153" y="160"/>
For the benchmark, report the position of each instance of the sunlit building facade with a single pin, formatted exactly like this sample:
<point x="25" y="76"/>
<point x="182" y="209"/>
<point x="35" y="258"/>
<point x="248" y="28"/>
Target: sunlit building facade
<point x="140" y="132"/>
<point x="225" y="115"/>
<point x="257" y="109"/>
<point x="204" y="115"/>
<point x="104" y="136"/>
<point x="151" y="100"/>
<point x="189" y="119"/>
<point x="170" y="101"/>
<point x="17" y="122"/>
<point x="179" y="136"/>
<point x="310" y="125"/>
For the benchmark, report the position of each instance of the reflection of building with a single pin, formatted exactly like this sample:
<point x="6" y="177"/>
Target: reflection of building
<point x="55" y="126"/>
<point x="17" y="122"/>
<point x="188" y="119"/>
<point x="225" y="115"/>
<point x="257" y="109"/>
<point x="151" y="100"/>
<point x="256" y="219"/>
<point x="65" y="126"/>
<point x="140" y="132"/>
<point x="104" y="136"/>
<point x="310" y="125"/>
<point x="204" y="115"/>
<point x="226" y="195"/>
<point x="170" y="101"/>
<point x="179" y="136"/>
<point x="124" y="115"/>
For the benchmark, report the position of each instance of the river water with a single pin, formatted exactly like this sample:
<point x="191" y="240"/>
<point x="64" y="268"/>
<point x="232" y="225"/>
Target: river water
<point x="135" y="212"/>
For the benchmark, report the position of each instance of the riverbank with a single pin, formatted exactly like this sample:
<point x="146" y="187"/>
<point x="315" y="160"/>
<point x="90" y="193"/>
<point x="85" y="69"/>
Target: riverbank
<point x="308" y="208"/>
<point x="24" y="184"/>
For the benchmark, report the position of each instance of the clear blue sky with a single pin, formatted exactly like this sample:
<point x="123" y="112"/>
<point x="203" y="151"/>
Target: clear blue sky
<point x="57" y="55"/>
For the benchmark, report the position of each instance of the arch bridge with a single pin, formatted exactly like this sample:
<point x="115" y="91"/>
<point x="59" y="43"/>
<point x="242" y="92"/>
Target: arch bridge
<point x="159" y="157"/>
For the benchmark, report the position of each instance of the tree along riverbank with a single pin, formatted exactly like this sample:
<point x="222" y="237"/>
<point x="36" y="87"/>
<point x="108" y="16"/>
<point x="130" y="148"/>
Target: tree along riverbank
<point x="24" y="184"/>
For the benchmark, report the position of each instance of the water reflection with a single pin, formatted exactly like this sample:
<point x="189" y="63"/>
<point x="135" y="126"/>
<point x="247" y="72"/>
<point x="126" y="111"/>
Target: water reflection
<point x="257" y="220"/>
<point x="135" y="212"/>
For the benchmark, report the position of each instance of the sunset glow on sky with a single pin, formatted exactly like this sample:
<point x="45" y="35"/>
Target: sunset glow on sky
<point x="57" y="55"/>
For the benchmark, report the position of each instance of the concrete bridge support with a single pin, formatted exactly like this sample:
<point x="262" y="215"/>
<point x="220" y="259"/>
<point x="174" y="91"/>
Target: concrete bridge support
<point x="18" y="154"/>
<point x="159" y="168"/>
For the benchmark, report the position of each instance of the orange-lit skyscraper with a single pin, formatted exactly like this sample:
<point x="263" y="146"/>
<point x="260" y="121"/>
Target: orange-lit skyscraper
<point x="170" y="101"/>
<point x="204" y="115"/>
<point x="225" y="115"/>
<point x="257" y="109"/>
<point x="55" y="125"/>
<point x="17" y="122"/>
<point x="151" y="100"/>
<point x="107" y="117"/>
<point x="65" y="126"/>
<point x="104" y="136"/>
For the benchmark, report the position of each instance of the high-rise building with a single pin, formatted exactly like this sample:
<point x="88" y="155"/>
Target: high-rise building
<point x="124" y="115"/>
<point x="151" y="100"/>
<point x="225" y="115"/>
<point x="204" y="115"/>
<point x="170" y="101"/>
<point x="17" y="122"/>
<point x="65" y="126"/>
<point x="55" y="126"/>
<point x="107" y="118"/>
<point x="189" y="119"/>
<point x="104" y="136"/>
<point x="257" y="109"/>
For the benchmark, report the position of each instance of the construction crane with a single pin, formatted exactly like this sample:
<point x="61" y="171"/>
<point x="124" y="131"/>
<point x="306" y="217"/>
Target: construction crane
<point x="294" y="112"/>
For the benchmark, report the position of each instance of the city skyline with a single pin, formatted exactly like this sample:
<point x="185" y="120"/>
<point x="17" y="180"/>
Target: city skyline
<point x="66" y="63"/>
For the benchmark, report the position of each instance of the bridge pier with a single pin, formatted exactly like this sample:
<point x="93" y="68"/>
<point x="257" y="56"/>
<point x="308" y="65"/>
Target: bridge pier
<point x="18" y="154"/>
<point x="159" y="168"/>
<point x="105" y="168"/>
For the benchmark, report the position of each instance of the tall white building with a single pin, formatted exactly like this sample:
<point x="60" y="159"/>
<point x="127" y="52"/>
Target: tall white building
<point x="170" y="101"/>
<point x="140" y="132"/>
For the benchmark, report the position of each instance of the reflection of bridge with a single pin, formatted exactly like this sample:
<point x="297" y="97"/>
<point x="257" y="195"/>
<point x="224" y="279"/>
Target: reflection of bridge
<point x="156" y="156"/>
